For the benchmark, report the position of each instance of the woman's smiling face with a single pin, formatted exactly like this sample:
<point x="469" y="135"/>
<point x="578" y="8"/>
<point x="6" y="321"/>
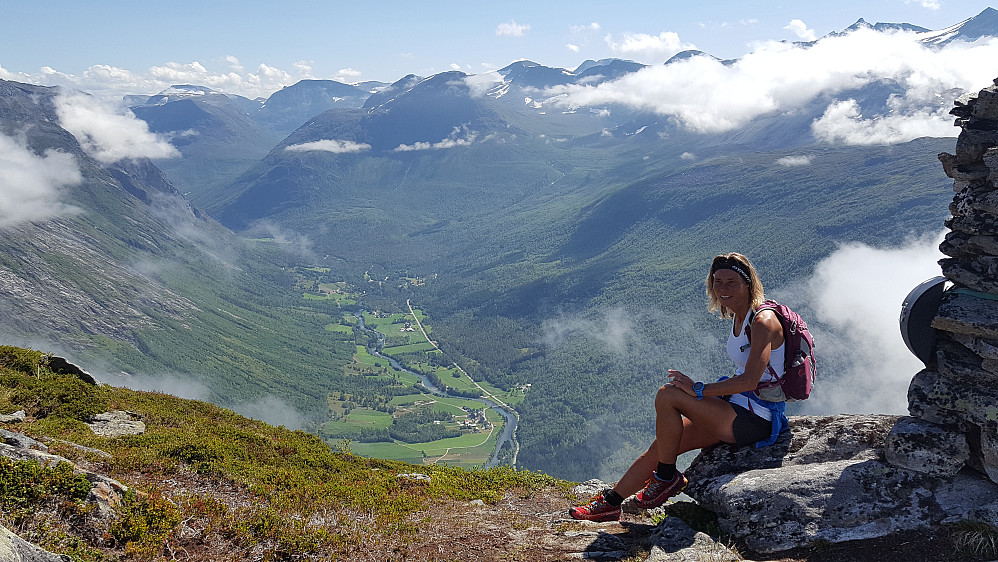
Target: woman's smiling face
<point x="731" y="289"/>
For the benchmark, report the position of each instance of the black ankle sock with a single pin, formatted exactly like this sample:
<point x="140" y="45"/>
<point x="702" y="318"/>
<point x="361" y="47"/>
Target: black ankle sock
<point x="612" y="497"/>
<point x="665" y="471"/>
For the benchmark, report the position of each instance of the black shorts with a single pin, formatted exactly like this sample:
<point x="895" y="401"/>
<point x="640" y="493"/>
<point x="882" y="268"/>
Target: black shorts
<point x="748" y="427"/>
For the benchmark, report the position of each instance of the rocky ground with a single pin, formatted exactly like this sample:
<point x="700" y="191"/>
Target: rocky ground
<point x="538" y="528"/>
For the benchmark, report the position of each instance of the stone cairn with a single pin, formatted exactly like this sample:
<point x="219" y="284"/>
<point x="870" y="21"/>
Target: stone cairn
<point x="958" y="392"/>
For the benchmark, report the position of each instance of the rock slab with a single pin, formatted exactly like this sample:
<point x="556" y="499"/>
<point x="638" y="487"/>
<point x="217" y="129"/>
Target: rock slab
<point x="827" y="479"/>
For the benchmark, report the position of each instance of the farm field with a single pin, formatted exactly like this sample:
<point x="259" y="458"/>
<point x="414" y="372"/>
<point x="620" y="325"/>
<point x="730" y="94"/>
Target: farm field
<point x="369" y="424"/>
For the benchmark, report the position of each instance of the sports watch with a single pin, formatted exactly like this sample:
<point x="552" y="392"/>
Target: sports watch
<point x="698" y="389"/>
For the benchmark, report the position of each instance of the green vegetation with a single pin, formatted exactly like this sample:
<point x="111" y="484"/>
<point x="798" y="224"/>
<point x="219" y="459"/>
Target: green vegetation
<point x="248" y="487"/>
<point x="399" y="420"/>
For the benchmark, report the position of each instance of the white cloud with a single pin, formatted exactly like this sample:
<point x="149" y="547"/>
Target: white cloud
<point x="573" y="48"/>
<point x="799" y="28"/>
<point x="856" y="294"/>
<point x="31" y="185"/>
<point x="478" y="84"/>
<point x="930" y="4"/>
<point x="304" y="69"/>
<point x="234" y="63"/>
<point x="111" y="83"/>
<point x="615" y="328"/>
<point x="268" y="73"/>
<point x="348" y="72"/>
<point x="460" y="136"/>
<point x="329" y="145"/>
<point x="272" y="410"/>
<point x="106" y="135"/>
<point x="594" y="26"/>
<point x="652" y="48"/>
<point x="704" y="95"/>
<point x="842" y="122"/>
<point x="791" y="161"/>
<point x="511" y="29"/>
<point x="688" y="156"/>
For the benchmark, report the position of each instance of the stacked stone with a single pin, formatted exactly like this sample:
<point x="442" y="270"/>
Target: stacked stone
<point x="960" y="389"/>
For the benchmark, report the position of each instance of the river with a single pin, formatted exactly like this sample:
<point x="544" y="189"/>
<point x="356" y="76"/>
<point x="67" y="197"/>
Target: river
<point x="508" y="433"/>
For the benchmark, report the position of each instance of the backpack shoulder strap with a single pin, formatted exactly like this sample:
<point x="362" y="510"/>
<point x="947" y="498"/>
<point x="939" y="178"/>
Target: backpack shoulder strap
<point x="766" y="305"/>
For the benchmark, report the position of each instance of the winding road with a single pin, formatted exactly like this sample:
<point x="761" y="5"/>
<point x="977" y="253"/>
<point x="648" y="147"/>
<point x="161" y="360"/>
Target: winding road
<point x="493" y="397"/>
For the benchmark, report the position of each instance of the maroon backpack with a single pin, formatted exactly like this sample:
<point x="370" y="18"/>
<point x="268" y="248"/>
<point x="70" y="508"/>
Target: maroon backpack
<point x="799" y="362"/>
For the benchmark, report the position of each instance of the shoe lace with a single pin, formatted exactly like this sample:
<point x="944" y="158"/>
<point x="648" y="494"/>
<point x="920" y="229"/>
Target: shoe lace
<point x="655" y="485"/>
<point x="597" y="502"/>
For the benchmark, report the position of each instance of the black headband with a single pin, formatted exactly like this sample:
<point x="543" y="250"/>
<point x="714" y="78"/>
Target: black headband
<point x="728" y="263"/>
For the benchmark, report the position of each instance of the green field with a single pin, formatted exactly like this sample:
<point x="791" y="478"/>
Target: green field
<point x="339" y="329"/>
<point x="469" y="449"/>
<point x="357" y="419"/>
<point x="409" y="348"/>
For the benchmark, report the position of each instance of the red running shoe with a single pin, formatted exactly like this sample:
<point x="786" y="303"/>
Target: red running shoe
<point x="657" y="491"/>
<point x="596" y="510"/>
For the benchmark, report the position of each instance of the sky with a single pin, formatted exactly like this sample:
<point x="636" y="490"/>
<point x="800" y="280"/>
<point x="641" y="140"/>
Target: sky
<point x="254" y="48"/>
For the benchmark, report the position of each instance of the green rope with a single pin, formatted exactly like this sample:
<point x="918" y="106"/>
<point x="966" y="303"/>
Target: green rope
<point x="973" y="293"/>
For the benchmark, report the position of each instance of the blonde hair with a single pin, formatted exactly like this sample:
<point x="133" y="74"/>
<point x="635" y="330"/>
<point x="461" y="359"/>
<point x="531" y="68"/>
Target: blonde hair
<point x="746" y="271"/>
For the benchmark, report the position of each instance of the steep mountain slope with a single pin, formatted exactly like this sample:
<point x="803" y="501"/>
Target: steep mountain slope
<point x="286" y="109"/>
<point x="123" y="269"/>
<point x="981" y="25"/>
<point x="215" y="134"/>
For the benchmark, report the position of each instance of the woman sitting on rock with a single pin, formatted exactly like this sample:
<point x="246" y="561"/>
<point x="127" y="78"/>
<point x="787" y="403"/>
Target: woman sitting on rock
<point x="692" y="415"/>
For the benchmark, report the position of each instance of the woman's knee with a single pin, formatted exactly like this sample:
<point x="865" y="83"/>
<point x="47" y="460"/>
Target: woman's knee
<point x="668" y="396"/>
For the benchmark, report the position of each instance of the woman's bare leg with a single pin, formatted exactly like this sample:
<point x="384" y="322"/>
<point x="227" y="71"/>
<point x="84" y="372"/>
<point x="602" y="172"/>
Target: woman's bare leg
<point x="683" y="423"/>
<point x="639" y="472"/>
<point x="693" y="437"/>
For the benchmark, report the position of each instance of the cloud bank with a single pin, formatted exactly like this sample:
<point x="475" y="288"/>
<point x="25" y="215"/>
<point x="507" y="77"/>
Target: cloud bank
<point x="704" y="95"/>
<point x="856" y="295"/>
<point x="459" y="137"/>
<point x="31" y="184"/>
<point x="109" y="82"/>
<point x="843" y="123"/>
<point x="650" y="48"/>
<point x="106" y="135"/>
<point x="329" y="145"/>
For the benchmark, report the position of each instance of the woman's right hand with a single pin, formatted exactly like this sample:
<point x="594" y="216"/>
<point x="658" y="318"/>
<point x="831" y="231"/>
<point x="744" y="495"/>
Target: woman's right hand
<point x="680" y="381"/>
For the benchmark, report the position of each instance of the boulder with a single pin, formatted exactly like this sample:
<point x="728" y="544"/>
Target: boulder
<point x="991" y="161"/>
<point x="922" y="446"/>
<point x="937" y="399"/>
<point x="962" y="312"/>
<point x="958" y="363"/>
<point x="117" y="423"/>
<point x="674" y="541"/>
<point x="15" y="549"/>
<point x="985" y="105"/>
<point x="979" y="274"/>
<point x="827" y="479"/>
<point x="16" y="417"/>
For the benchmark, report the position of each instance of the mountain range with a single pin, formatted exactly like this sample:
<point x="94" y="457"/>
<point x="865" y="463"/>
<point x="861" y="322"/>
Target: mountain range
<point x="539" y="227"/>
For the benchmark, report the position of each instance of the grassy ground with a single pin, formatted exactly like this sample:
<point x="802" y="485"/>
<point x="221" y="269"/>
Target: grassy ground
<point x="214" y="484"/>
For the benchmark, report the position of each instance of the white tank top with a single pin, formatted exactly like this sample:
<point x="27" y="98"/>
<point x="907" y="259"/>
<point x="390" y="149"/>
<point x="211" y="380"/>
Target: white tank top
<point x="738" y="351"/>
